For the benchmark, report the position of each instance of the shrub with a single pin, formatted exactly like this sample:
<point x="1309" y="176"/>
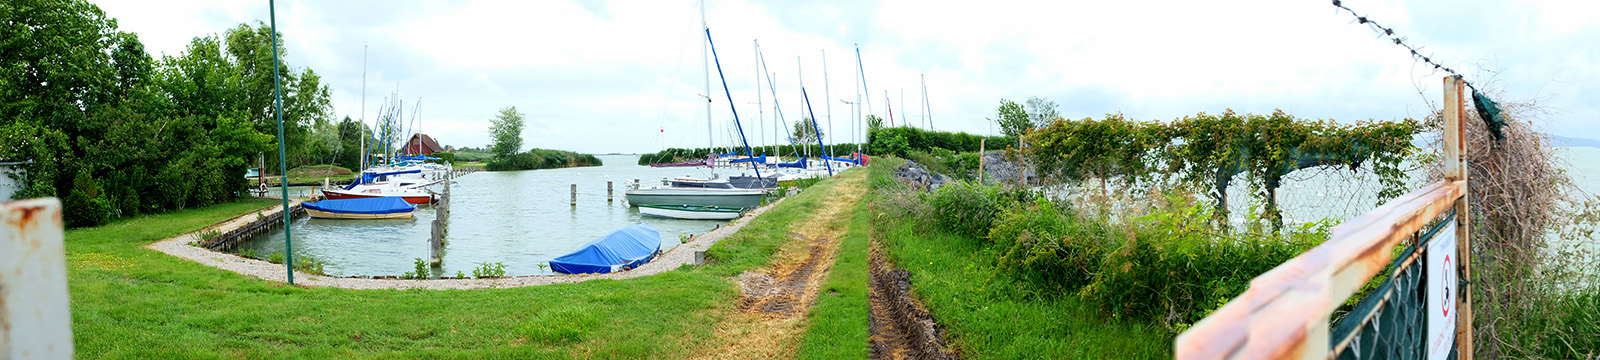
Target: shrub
<point x="1177" y="268"/>
<point x="421" y="268"/>
<point x="1049" y="247"/>
<point x="275" y="258"/>
<point x="86" y="206"/>
<point x="489" y="270"/>
<point x="968" y="208"/>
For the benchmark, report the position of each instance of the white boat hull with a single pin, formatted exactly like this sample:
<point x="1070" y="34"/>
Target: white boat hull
<point x="690" y="215"/>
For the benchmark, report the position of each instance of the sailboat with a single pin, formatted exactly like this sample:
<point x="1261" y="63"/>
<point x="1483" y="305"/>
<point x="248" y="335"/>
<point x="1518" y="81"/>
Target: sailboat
<point x="703" y="192"/>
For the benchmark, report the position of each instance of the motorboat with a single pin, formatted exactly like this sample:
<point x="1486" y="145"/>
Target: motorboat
<point x="621" y="249"/>
<point x="691" y="212"/>
<point x="363" y="208"/>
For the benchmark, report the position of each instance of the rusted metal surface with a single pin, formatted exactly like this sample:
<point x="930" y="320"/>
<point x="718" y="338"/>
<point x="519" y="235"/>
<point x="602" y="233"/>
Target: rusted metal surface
<point x="35" y="321"/>
<point x="1284" y="312"/>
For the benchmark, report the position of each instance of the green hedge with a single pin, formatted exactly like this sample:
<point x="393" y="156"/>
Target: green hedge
<point x="535" y="159"/>
<point x="901" y="141"/>
<point x="672" y="155"/>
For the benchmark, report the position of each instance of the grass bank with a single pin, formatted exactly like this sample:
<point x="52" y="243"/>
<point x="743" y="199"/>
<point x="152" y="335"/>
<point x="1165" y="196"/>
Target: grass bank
<point x="129" y="301"/>
<point x="987" y="314"/>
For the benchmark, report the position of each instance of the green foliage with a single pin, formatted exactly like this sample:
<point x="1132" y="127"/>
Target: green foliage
<point x="506" y="131"/>
<point x="309" y="265"/>
<point x="672" y="155"/>
<point x="901" y="141"/>
<point x="420" y="269"/>
<point x="489" y="270"/>
<point x="805" y="131"/>
<point x="1013" y="120"/>
<point x="1048" y="246"/>
<point x="1041" y="111"/>
<point x="1209" y="150"/>
<point x="155" y="135"/>
<point x="460" y="275"/>
<point x="1176" y="267"/>
<point x="444" y="157"/>
<point x="275" y="258"/>
<point x="535" y="159"/>
<point x="249" y="253"/>
<point x="874" y="123"/>
<point x="85" y="206"/>
<point x="968" y="208"/>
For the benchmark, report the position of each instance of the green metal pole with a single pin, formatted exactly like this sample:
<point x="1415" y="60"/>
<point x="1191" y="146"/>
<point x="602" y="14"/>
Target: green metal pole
<point x="283" y="167"/>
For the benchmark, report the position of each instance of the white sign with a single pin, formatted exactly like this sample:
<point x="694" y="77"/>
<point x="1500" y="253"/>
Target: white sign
<point x="1442" y="290"/>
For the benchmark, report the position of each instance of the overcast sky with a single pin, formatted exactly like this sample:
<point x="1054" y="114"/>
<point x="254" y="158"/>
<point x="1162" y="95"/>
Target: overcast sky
<point x="627" y="76"/>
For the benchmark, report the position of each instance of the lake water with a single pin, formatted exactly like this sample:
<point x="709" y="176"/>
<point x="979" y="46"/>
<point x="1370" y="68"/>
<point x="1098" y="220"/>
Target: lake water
<point x="518" y="218"/>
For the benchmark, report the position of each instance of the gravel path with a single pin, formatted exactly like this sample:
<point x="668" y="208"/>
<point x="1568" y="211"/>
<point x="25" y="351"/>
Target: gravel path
<point x="670" y="260"/>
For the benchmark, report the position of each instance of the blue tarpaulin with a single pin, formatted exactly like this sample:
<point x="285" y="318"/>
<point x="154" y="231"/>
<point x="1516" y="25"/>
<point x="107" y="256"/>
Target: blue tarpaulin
<point x="760" y="159"/>
<point x="800" y="164"/>
<point x="377" y="205"/>
<point x="624" y="248"/>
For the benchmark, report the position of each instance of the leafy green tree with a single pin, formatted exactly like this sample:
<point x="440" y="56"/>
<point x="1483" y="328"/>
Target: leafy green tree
<point x="874" y="123"/>
<point x="805" y="131"/>
<point x="351" y="133"/>
<point x="506" y="131"/>
<point x="85" y="206"/>
<point x="1041" y="112"/>
<point x="1012" y="118"/>
<point x="54" y="61"/>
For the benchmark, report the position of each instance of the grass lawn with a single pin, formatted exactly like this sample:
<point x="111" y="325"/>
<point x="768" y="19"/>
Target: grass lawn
<point x="315" y="174"/>
<point x="838" y="320"/>
<point x="983" y="311"/>
<point x="128" y="301"/>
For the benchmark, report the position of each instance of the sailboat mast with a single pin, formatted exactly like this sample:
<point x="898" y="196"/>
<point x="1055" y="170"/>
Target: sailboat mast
<point x="826" y="103"/>
<point x="858" y="129"/>
<point x="362" y="164"/>
<point x="761" y="116"/>
<point x="927" y="109"/>
<point x="801" y="75"/>
<point x="705" y="58"/>
<point x="731" y="108"/>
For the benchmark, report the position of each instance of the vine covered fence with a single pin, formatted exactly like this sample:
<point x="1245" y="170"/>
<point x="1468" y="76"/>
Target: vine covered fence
<point x="1284" y="313"/>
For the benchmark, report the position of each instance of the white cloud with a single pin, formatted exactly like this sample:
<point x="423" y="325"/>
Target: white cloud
<point x="609" y="76"/>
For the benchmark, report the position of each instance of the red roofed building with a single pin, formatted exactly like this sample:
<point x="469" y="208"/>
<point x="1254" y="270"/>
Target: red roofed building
<point x="421" y="144"/>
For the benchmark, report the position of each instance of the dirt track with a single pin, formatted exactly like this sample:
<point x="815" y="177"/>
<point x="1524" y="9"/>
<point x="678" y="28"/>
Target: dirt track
<point x="901" y="327"/>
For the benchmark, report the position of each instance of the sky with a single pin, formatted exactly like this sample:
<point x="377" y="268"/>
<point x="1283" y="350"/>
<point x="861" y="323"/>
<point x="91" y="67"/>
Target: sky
<point x="629" y="76"/>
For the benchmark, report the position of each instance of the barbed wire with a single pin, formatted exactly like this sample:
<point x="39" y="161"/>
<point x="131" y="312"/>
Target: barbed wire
<point x="1488" y="110"/>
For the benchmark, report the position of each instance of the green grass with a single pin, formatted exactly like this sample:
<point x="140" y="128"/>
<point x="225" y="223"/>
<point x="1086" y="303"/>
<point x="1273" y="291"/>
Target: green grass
<point x="838" y="320"/>
<point x="315" y="174"/>
<point x="128" y="301"/>
<point x="983" y="311"/>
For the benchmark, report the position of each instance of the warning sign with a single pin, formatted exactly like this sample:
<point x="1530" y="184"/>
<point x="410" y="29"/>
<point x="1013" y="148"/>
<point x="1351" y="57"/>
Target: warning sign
<point x="1442" y="265"/>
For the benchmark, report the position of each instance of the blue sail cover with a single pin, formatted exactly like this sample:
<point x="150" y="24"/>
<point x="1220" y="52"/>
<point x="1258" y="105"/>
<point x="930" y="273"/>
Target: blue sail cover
<point x="626" y="247"/>
<point x="760" y="159"/>
<point x="376" y="205"/>
<point x="798" y="164"/>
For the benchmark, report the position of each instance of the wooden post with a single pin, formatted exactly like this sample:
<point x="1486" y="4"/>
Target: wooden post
<point x="608" y="191"/>
<point x="1455" y="168"/>
<point x="1022" y="165"/>
<point x="980" y="160"/>
<point x="574" y="194"/>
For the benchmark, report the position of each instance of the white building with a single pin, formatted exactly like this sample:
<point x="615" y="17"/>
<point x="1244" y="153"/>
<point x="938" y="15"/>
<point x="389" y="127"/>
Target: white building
<point x="8" y="184"/>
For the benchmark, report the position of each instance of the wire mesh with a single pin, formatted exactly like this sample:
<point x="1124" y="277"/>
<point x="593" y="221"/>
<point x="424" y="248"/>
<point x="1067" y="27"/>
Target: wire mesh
<point x="1391" y="322"/>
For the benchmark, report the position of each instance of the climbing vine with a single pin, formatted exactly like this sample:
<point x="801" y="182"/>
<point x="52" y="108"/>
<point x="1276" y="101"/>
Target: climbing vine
<point x="1210" y="150"/>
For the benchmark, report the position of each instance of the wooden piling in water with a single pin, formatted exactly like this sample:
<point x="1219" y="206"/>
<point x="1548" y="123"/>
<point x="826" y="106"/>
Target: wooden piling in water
<point x="608" y="191"/>
<point x="574" y="194"/>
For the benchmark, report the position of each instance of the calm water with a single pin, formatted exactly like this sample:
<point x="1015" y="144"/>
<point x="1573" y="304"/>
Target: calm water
<point x="518" y="218"/>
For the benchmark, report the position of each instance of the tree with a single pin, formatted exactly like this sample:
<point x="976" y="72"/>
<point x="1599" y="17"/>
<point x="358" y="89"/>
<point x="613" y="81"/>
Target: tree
<point x="351" y="133"/>
<point x="874" y="123"/>
<point x="805" y="131"/>
<point x="506" y="131"/>
<point x="1012" y="119"/>
<point x="1041" y="112"/>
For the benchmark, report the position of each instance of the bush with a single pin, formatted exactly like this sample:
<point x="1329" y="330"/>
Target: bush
<point x="86" y="206"/>
<point x="535" y="159"/>
<point x="968" y="208"/>
<point x="444" y="157"/>
<point x="1176" y="268"/>
<point x="1049" y="247"/>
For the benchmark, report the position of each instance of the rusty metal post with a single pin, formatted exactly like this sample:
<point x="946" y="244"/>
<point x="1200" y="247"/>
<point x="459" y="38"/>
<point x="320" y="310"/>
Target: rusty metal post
<point x="35" y="313"/>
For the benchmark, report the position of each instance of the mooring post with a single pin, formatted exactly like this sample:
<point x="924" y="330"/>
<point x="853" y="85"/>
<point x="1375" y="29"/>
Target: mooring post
<point x="436" y="245"/>
<point x="574" y="194"/>
<point x="608" y="191"/>
<point x="980" y="160"/>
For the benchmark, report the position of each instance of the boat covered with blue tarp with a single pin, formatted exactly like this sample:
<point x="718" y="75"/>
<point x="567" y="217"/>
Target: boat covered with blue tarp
<point x="624" y="248"/>
<point x="361" y="208"/>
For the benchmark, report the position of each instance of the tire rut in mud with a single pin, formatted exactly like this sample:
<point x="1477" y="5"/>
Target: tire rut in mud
<point x="901" y="327"/>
